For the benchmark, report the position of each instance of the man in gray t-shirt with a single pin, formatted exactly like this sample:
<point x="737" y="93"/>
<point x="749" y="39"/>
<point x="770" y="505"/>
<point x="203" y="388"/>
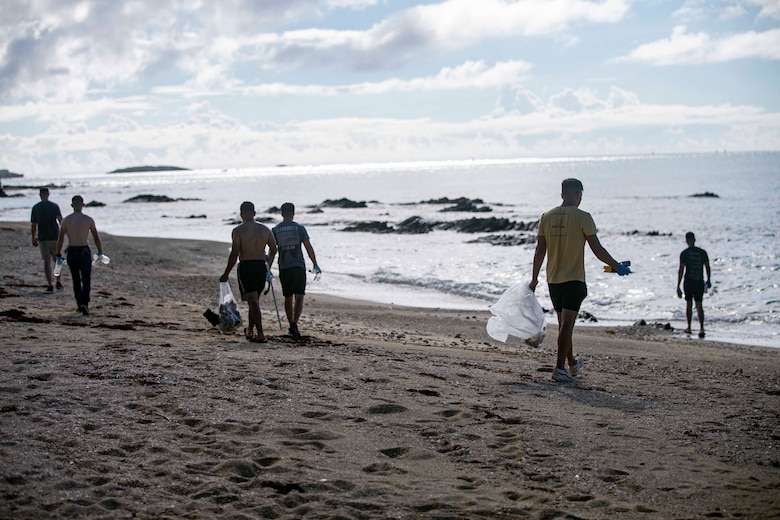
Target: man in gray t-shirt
<point x="289" y="237"/>
<point x="45" y="228"/>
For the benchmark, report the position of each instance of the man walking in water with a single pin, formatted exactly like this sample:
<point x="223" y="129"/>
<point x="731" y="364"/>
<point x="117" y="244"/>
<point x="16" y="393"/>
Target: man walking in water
<point x="250" y="240"/>
<point x="693" y="261"/>
<point x="77" y="227"/>
<point x="45" y="228"/>
<point x="292" y="267"/>
<point x="563" y="232"/>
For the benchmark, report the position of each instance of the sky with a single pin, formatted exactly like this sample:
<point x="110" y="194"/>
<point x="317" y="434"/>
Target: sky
<point x="90" y="86"/>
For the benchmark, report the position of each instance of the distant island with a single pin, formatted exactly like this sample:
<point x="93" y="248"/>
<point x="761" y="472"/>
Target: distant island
<point x="135" y="169"/>
<point x="5" y="174"/>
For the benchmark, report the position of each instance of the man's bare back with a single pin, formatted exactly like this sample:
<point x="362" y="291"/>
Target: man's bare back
<point x="77" y="227"/>
<point x="250" y="240"/>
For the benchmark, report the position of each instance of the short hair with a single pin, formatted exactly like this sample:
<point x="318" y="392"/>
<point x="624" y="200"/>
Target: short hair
<point x="690" y="236"/>
<point x="77" y="200"/>
<point x="44" y="191"/>
<point x="247" y="207"/>
<point x="571" y="186"/>
<point x="288" y="208"/>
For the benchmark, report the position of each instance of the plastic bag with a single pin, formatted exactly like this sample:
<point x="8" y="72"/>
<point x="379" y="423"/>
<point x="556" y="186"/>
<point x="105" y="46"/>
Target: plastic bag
<point x="229" y="317"/>
<point x="518" y="313"/>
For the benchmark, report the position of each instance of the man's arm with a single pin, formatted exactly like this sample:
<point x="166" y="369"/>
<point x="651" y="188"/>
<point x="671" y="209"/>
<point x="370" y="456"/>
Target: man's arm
<point x="539" y="254"/>
<point x="95" y="236"/>
<point x="272" y="249"/>
<point x="34" y="232"/>
<point x="310" y="251"/>
<point x="232" y="258"/>
<point x="680" y="273"/>
<point x="61" y="238"/>
<point x="601" y="253"/>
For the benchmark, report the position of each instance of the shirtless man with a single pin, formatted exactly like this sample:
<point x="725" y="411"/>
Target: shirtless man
<point x="250" y="240"/>
<point x="77" y="227"/>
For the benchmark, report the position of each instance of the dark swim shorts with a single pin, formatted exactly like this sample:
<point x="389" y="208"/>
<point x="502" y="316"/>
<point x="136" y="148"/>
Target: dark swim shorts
<point x="251" y="276"/>
<point x="568" y="295"/>
<point x="694" y="289"/>
<point x="293" y="280"/>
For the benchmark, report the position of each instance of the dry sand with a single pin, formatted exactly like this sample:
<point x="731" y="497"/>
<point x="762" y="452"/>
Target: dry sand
<point x="143" y="410"/>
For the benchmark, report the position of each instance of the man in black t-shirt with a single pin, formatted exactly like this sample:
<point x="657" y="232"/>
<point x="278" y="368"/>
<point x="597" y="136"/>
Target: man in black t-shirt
<point x="693" y="262"/>
<point x="45" y="229"/>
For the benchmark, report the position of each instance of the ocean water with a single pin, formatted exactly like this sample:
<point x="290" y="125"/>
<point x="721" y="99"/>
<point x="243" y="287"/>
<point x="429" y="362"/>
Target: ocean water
<point x="643" y="206"/>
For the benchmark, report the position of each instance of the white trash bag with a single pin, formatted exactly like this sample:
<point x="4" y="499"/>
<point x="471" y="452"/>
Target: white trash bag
<point x="229" y="317"/>
<point x="518" y="313"/>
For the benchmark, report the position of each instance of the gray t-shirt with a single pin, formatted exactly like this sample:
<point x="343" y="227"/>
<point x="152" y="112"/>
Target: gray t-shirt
<point x="289" y="236"/>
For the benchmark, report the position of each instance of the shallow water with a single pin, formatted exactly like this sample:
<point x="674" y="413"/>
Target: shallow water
<point x="642" y="206"/>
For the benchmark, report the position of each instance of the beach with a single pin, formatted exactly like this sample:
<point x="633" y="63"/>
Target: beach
<point x="144" y="410"/>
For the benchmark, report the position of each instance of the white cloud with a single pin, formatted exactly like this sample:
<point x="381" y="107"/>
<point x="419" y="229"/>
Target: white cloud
<point x="61" y="50"/>
<point x="696" y="48"/>
<point x="692" y="10"/>
<point x="447" y="25"/>
<point x="471" y="74"/>
<point x="78" y="111"/>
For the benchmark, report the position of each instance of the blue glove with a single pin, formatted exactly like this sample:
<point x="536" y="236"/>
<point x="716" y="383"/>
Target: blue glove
<point x="269" y="277"/>
<point x="624" y="270"/>
<point x="709" y="284"/>
<point x="317" y="270"/>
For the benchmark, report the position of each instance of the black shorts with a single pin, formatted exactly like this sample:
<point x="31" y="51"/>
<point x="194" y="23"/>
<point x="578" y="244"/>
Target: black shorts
<point x="568" y="295"/>
<point x="251" y="276"/>
<point x="293" y="280"/>
<point x="694" y="289"/>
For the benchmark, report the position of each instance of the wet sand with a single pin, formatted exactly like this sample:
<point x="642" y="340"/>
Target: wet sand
<point x="143" y="410"/>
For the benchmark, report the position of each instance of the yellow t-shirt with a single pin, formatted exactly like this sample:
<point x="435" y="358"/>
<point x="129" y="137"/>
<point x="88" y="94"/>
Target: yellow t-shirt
<point x="565" y="228"/>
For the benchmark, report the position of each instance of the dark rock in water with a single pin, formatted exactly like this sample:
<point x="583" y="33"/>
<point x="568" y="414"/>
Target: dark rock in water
<point x="154" y="198"/>
<point x="134" y="169"/>
<point x="504" y="240"/>
<point x="94" y="204"/>
<point x="315" y="210"/>
<point x="415" y="226"/>
<point x="370" y="227"/>
<point x="344" y="204"/>
<point x="5" y="174"/>
<point x="273" y="209"/>
<point x="640" y="323"/>
<point x="151" y="198"/>
<point x="468" y="206"/>
<point x="479" y="225"/>
<point x="706" y="194"/>
<point x="447" y="200"/>
<point x="649" y="233"/>
<point x="586" y="316"/>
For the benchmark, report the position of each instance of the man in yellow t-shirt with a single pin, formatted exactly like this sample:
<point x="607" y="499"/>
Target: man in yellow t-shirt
<point x="563" y="232"/>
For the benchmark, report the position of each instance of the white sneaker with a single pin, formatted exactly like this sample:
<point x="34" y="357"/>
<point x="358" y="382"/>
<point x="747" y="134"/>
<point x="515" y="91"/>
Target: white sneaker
<point x="562" y="376"/>
<point x="575" y="369"/>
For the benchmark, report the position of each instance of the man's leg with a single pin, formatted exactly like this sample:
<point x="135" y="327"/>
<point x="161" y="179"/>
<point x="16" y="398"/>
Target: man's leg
<point x="255" y="318"/>
<point x="700" y="313"/>
<point x="297" y="308"/>
<point x="289" y="308"/>
<point x="566" y="321"/>
<point x="75" y="275"/>
<point x="86" y="277"/>
<point x="689" y="313"/>
<point x="47" y="266"/>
